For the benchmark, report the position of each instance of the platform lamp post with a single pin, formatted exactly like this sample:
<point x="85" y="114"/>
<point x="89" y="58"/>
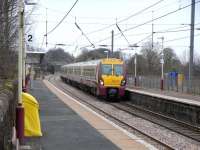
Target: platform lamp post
<point x="135" y="63"/>
<point x="162" y="64"/>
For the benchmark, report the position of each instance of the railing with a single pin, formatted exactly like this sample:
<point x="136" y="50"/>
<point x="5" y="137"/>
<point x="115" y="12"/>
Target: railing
<point x="170" y="84"/>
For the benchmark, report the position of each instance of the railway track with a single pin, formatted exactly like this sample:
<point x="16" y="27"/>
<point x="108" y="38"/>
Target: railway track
<point x="177" y="126"/>
<point x="71" y="93"/>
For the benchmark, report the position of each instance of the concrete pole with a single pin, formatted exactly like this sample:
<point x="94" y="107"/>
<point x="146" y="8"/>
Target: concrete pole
<point x="20" y="108"/>
<point x="191" y="45"/>
<point x="20" y="50"/>
<point x="152" y="31"/>
<point x="23" y="56"/>
<point x="135" y="62"/>
<point x="46" y="29"/>
<point x="112" y="43"/>
<point x="162" y="65"/>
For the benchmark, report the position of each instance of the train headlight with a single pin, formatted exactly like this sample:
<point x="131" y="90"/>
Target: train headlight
<point x="123" y="82"/>
<point x="101" y="82"/>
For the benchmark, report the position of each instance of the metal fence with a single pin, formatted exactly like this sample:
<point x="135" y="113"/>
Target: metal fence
<point x="170" y="84"/>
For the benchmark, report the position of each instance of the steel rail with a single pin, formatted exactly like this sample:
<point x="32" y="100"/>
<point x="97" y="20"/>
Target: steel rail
<point x="129" y="108"/>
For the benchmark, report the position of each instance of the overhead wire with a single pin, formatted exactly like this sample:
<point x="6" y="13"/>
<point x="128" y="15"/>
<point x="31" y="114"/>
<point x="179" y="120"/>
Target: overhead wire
<point x="169" y="13"/>
<point x="52" y="9"/>
<point x="149" y="22"/>
<point x="137" y="13"/>
<point x="146" y="37"/>
<point x="185" y="37"/>
<point x="141" y="12"/>
<point x="84" y="34"/>
<point x="160" y="17"/>
<point x="122" y="34"/>
<point x="59" y="22"/>
<point x="42" y="42"/>
<point x="63" y="18"/>
<point x="143" y="39"/>
<point x="165" y="30"/>
<point x="172" y="31"/>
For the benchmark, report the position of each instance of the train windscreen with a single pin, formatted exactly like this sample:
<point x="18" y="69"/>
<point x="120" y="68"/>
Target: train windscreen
<point x="106" y="69"/>
<point x="118" y="70"/>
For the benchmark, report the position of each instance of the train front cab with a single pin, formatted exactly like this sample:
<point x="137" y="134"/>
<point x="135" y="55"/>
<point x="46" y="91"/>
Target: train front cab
<point x="112" y="79"/>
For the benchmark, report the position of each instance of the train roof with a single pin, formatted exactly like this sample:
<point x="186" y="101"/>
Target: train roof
<point x="95" y="62"/>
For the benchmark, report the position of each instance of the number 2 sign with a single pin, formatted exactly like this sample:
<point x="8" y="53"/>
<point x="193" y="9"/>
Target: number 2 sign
<point x="30" y="38"/>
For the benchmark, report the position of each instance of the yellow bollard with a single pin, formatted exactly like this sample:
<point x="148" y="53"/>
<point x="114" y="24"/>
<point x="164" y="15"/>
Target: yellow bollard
<point x="31" y="118"/>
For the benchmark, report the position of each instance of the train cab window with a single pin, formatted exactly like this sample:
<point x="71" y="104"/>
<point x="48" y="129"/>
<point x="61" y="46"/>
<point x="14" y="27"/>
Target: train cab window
<point x="118" y="70"/>
<point x="106" y="69"/>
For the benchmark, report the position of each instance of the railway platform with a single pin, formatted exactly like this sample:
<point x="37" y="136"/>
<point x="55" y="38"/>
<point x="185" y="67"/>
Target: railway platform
<point x="179" y="106"/>
<point x="68" y="125"/>
<point x="170" y="95"/>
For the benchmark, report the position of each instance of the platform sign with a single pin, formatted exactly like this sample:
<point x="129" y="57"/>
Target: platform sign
<point x="162" y="61"/>
<point x="30" y="38"/>
<point x="173" y="78"/>
<point x="173" y="74"/>
<point x="30" y="42"/>
<point x="180" y="79"/>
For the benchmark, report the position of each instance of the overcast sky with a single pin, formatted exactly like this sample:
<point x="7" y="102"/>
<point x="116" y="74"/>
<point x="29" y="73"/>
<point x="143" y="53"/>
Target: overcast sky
<point x="92" y="15"/>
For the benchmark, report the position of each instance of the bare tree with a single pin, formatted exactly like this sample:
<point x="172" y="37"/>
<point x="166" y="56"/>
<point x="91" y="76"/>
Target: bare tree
<point x="172" y="63"/>
<point x="184" y="57"/>
<point x="92" y="55"/>
<point x="197" y="66"/>
<point x="55" y="58"/>
<point x="152" y="58"/>
<point x="8" y="34"/>
<point x="141" y="65"/>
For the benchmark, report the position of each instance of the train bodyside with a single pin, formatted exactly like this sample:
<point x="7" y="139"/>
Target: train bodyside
<point x="104" y="77"/>
<point x="83" y="73"/>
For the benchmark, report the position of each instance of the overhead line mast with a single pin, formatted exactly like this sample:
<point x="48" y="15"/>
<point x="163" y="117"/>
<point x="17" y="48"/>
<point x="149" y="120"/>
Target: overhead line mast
<point x="152" y="31"/>
<point x="191" y="44"/>
<point x="46" y="28"/>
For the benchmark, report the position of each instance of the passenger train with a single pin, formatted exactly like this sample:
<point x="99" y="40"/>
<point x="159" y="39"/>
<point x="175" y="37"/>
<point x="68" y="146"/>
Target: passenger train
<point x="103" y="77"/>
